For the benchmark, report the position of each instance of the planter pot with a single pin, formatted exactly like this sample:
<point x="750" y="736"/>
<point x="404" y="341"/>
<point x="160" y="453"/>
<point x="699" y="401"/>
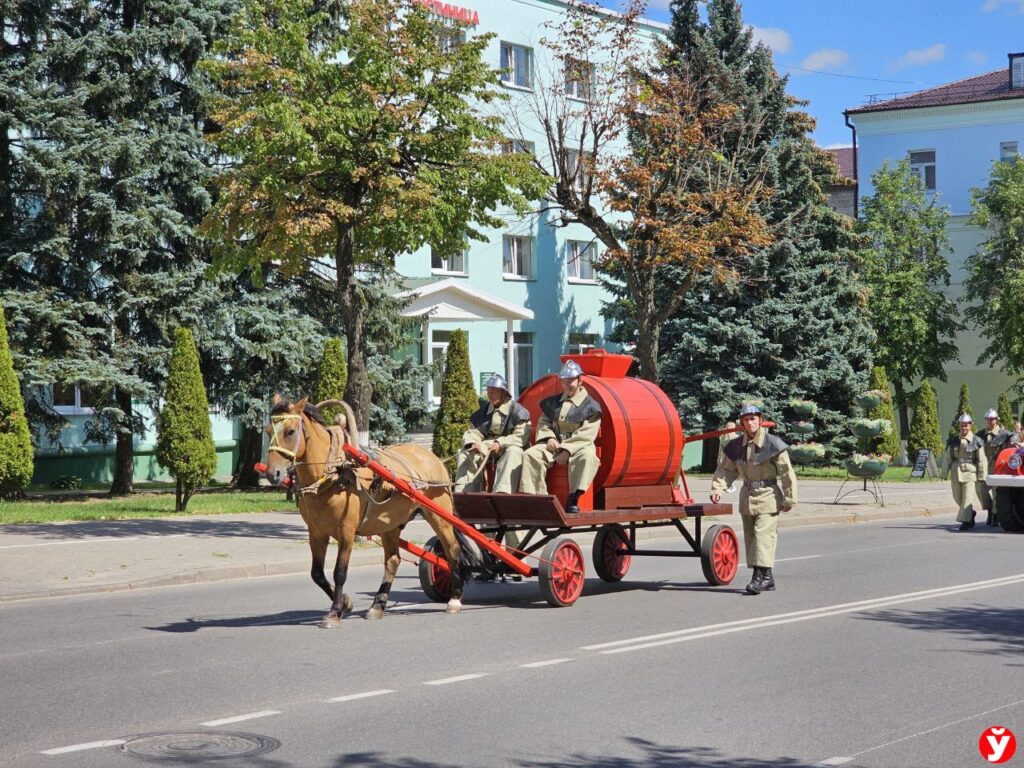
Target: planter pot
<point x="868" y="402"/>
<point x="872" y="468"/>
<point x="802" y="427"/>
<point x="802" y="454"/>
<point x="867" y="430"/>
<point x="804" y="409"/>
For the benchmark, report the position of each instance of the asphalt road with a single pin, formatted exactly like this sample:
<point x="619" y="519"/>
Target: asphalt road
<point x="893" y="643"/>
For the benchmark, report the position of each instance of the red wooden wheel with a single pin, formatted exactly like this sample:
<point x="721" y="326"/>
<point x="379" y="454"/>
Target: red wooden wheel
<point x="611" y="539"/>
<point x="719" y="555"/>
<point x="435" y="581"/>
<point x="561" y="572"/>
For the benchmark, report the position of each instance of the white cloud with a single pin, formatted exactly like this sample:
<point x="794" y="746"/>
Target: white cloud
<point x="918" y="56"/>
<point x="838" y="145"/>
<point x="774" y="37"/>
<point x="1014" y="6"/>
<point x="826" y="58"/>
<point x="977" y="57"/>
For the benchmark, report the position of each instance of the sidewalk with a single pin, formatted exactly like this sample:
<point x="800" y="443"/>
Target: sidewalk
<point x="50" y="560"/>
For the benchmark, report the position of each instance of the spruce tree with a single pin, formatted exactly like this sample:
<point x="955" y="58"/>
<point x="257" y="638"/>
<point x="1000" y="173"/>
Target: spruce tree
<point x="963" y="406"/>
<point x="459" y="400"/>
<point x="794" y="325"/>
<point x="15" y="439"/>
<point x="890" y="441"/>
<point x="184" y="445"/>
<point x="924" y="426"/>
<point x="332" y="377"/>
<point x="1005" y="411"/>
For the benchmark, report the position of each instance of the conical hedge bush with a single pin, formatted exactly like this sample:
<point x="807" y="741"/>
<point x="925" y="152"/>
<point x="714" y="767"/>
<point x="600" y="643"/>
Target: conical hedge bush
<point x="15" y="437"/>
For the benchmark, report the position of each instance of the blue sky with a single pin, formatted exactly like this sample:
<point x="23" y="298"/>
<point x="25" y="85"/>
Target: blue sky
<point x="876" y="47"/>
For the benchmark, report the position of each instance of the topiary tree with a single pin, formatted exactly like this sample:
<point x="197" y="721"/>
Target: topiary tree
<point x="459" y="400"/>
<point x="1005" y="411"/>
<point x="15" y="438"/>
<point x="963" y="406"/>
<point x="888" y="442"/>
<point x="332" y="377"/>
<point x="184" y="444"/>
<point x="924" y="426"/>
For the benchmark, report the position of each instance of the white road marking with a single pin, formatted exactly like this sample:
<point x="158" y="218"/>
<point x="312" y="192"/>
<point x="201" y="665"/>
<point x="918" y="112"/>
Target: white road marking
<point x="546" y="663"/>
<point x="711" y="630"/>
<point x="240" y="718"/>
<point x="366" y="695"/>
<point x="93" y="541"/>
<point x="458" y="679"/>
<point x="80" y="747"/>
<point x="833" y="761"/>
<point x="790" y="559"/>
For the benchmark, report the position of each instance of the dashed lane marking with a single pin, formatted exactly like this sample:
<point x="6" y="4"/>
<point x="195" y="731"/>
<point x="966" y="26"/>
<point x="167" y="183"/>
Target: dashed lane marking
<point x="458" y="679"/>
<point x="833" y="761"/>
<point x="364" y="695"/>
<point x="545" y="663"/>
<point x="80" y="747"/>
<point x="240" y="718"/>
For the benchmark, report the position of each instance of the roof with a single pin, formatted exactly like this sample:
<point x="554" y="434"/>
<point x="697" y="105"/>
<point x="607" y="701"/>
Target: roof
<point x="846" y="160"/>
<point x="452" y="299"/>
<point x="992" y="86"/>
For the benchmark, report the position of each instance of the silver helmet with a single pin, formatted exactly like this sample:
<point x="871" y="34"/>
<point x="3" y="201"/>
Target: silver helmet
<point x="497" y="381"/>
<point x="965" y="418"/>
<point x="571" y="370"/>
<point x="749" y="410"/>
<point x="991" y="413"/>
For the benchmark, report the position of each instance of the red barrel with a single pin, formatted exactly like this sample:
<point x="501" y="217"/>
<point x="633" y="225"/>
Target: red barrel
<point x="641" y="438"/>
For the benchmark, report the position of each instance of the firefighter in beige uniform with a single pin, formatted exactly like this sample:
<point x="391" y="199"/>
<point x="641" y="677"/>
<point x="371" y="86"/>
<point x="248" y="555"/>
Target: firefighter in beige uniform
<point x="566" y="432"/>
<point x="995" y="438"/>
<point x="965" y="456"/>
<point x="500" y="429"/>
<point x="769" y="487"/>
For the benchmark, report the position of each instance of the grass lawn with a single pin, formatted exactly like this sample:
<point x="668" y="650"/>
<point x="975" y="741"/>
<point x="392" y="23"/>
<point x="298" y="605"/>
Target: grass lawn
<point x="141" y="505"/>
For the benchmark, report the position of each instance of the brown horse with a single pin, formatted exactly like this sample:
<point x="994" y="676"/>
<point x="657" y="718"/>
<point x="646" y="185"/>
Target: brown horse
<point x="339" y="500"/>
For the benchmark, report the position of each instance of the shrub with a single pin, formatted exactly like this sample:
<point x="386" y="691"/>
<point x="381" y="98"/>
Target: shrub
<point x="890" y="441"/>
<point x="184" y="444"/>
<point x="962" y="407"/>
<point x="924" y="426"/>
<point x="1005" y="411"/>
<point x="67" y="483"/>
<point x="16" y="465"/>
<point x="332" y="377"/>
<point x="459" y="400"/>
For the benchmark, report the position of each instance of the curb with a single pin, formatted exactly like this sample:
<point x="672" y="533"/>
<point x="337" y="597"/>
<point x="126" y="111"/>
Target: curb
<point x="365" y="557"/>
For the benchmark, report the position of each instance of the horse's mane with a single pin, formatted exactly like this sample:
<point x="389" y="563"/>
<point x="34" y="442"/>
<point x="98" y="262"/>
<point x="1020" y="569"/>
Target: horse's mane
<point x="310" y="410"/>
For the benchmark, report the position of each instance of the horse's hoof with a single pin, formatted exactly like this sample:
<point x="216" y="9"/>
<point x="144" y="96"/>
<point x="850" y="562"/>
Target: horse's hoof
<point x="375" y="613"/>
<point x="330" y="622"/>
<point x="454" y="606"/>
<point x="346" y="603"/>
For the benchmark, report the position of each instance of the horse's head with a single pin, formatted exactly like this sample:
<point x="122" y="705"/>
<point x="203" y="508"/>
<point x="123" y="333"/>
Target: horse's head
<point x="287" y="438"/>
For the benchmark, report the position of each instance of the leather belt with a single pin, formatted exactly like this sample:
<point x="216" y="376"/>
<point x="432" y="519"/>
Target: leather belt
<point x="754" y="484"/>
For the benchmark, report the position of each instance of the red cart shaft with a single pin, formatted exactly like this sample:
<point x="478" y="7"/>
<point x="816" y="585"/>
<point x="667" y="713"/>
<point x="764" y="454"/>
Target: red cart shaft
<point x="421" y="498"/>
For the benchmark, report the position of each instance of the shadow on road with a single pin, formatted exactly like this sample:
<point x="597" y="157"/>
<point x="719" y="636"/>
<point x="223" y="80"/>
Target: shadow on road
<point x="1001" y="630"/>
<point x="156" y="527"/>
<point x="285" y="618"/>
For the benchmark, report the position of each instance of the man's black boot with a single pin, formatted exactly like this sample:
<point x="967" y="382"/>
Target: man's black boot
<point x="572" y="503"/>
<point x="755" y="585"/>
<point x="989" y="520"/>
<point x="767" y="580"/>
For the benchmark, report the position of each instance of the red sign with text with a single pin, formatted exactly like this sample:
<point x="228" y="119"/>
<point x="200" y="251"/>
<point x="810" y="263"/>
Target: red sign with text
<point x="451" y="11"/>
<point x="997" y="744"/>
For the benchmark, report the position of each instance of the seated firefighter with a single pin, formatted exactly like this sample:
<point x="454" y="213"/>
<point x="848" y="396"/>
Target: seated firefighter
<point x="566" y="432"/>
<point x="499" y="431"/>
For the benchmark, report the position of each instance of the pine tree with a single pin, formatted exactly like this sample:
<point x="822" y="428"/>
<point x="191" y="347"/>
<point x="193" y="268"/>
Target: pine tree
<point x="184" y="445"/>
<point x="963" y="406"/>
<point x="15" y="439"/>
<point x="924" y="426"/>
<point x="889" y="442"/>
<point x="1005" y="411"/>
<point x="332" y="377"/>
<point x="794" y="324"/>
<point x="459" y="400"/>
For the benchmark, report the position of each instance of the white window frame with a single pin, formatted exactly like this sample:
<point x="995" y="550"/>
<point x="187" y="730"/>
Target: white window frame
<point x="920" y="168"/>
<point x="581" y="343"/>
<point x="438" y="348"/>
<point x="1009" y="150"/>
<point x="522" y="351"/>
<point x="450" y="37"/>
<point x="580" y="88"/>
<point x="448" y="264"/>
<point x="575" y="251"/>
<point x="511" y="146"/>
<point x="510" y="73"/>
<point x="72" y="410"/>
<point x="513" y="252"/>
<point x="1016" y="72"/>
<point x="581" y="175"/>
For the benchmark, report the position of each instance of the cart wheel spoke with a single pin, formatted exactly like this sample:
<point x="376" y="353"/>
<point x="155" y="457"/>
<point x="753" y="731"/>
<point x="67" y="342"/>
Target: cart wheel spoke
<point x="561" y="573"/>
<point x="719" y="554"/>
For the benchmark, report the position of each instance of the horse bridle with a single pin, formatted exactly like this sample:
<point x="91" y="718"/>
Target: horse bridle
<point x="278" y="423"/>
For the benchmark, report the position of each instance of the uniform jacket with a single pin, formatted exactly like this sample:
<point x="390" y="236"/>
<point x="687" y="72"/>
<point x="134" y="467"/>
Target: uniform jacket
<point x="994" y="441"/>
<point x="965" y="456"/>
<point x="764" y="458"/>
<point x="573" y="422"/>
<point x="508" y="425"/>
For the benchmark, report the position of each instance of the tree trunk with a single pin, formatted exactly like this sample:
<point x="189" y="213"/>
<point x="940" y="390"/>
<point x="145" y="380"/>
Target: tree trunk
<point x="124" y="455"/>
<point x="250" y="452"/>
<point x="358" y="391"/>
<point x="901" y="408"/>
<point x="178" y="506"/>
<point x="648" y="329"/>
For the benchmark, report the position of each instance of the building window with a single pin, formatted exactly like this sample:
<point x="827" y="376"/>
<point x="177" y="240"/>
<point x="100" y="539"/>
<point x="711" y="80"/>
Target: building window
<point x="579" y="260"/>
<point x="580" y="173"/>
<point x="518" y="147"/>
<point x="522" y="359"/>
<point x="449" y="38"/>
<point x="582" y="342"/>
<point x="517" y="256"/>
<point x="1008" y="151"/>
<point x="922" y="165"/>
<point x="517" y="65"/>
<point x="71" y="398"/>
<point x="452" y="264"/>
<point x="438" y="349"/>
<point x="579" y="79"/>
<point x="1017" y="71"/>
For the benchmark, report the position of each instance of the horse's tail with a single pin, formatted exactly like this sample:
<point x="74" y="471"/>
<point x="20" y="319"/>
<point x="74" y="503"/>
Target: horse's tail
<point x="470" y="556"/>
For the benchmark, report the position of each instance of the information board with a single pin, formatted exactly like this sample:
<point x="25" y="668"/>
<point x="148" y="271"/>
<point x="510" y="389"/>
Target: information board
<point x="921" y="462"/>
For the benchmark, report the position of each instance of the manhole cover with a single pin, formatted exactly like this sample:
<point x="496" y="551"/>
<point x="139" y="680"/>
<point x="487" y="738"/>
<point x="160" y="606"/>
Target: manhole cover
<point x="199" y="746"/>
